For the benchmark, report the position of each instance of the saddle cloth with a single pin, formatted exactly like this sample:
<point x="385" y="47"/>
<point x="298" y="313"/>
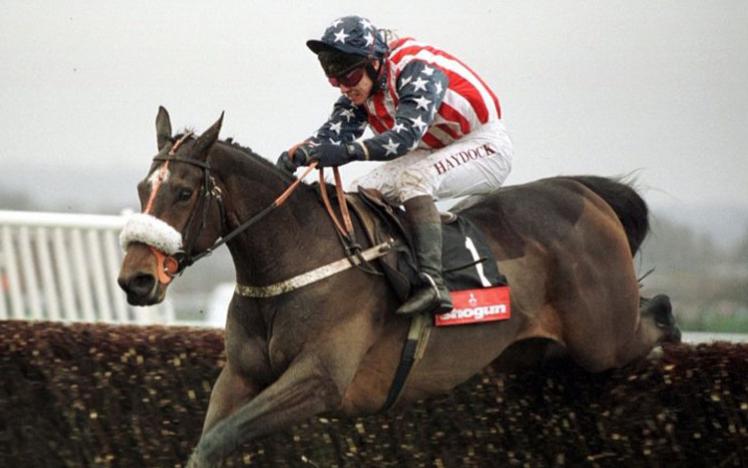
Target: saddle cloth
<point x="469" y="266"/>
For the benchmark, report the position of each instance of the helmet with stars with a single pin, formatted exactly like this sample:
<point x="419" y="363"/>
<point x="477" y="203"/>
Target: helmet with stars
<point x="351" y="35"/>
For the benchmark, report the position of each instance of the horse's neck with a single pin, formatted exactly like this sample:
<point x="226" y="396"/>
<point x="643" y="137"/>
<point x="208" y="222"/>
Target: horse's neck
<point x="290" y="239"/>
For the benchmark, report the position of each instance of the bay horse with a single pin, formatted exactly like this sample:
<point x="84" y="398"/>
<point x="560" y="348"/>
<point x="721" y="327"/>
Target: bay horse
<point x="564" y="243"/>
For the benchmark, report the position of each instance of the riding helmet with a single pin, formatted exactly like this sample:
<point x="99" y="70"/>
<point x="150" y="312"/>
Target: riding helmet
<point x="351" y="35"/>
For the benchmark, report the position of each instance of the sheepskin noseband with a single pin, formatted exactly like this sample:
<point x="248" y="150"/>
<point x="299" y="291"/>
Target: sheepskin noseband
<point x="142" y="227"/>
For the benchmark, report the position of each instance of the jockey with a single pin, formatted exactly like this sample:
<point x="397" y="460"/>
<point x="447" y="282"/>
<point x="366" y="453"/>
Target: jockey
<point x="435" y="122"/>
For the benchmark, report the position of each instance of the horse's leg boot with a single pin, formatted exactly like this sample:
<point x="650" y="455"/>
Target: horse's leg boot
<point x="432" y="295"/>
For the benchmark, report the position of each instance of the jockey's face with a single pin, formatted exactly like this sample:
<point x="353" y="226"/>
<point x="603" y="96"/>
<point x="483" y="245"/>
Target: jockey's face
<point x="359" y="92"/>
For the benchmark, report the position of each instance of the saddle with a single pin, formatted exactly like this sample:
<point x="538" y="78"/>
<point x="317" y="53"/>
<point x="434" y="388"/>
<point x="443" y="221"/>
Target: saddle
<point x="467" y="261"/>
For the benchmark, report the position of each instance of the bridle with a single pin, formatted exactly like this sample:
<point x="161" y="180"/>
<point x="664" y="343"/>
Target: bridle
<point x="174" y="264"/>
<point x="170" y="266"/>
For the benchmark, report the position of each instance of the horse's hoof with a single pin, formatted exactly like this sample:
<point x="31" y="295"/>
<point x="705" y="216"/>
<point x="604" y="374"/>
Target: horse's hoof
<point x="672" y="335"/>
<point x="660" y="309"/>
<point x="656" y="354"/>
<point x="663" y="311"/>
<point x="196" y="461"/>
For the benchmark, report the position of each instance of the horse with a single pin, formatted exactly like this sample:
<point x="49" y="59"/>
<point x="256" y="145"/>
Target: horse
<point x="565" y="244"/>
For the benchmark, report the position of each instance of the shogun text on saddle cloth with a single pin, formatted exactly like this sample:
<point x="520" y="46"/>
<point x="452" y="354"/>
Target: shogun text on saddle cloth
<point x="477" y="306"/>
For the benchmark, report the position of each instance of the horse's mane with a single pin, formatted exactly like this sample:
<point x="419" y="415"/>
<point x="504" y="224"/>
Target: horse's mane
<point x="228" y="141"/>
<point x="246" y="150"/>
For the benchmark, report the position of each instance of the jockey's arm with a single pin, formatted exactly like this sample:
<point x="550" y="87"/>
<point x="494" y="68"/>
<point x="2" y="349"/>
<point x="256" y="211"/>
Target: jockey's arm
<point x="346" y="123"/>
<point x="420" y="91"/>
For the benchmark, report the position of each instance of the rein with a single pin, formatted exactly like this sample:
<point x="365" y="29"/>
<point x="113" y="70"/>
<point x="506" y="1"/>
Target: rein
<point x="261" y="214"/>
<point x="346" y="231"/>
<point x="347" y="235"/>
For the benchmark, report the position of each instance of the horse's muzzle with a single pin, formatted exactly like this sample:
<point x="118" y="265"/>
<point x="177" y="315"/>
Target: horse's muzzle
<point x="141" y="288"/>
<point x="138" y="276"/>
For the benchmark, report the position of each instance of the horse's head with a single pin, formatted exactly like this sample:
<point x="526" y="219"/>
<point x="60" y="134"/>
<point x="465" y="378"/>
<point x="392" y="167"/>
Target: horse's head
<point x="181" y="213"/>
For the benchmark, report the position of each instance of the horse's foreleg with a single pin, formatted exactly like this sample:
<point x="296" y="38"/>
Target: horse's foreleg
<point x="230" y="392"/>
<point x="305" y="389"/>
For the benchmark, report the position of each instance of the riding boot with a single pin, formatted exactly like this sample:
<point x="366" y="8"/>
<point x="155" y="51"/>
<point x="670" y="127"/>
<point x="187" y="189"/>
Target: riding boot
<point x="432" y="295"/>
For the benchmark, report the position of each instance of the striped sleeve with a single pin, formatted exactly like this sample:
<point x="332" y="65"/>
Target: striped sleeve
<point x="420" y="90"/>
<point x="463" y="80"/>
<point x="346" y="123"/>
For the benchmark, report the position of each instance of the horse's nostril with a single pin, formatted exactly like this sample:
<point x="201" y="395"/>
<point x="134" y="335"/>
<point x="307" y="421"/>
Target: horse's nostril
<point x="141" y="284"/>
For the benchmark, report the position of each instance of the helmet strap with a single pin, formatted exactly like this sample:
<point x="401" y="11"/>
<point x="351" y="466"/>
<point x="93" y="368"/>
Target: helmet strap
<point x="375" y="75"/>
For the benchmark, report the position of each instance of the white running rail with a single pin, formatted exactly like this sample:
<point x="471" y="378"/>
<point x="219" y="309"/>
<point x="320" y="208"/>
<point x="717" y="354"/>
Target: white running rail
<point x="63" y="267"/>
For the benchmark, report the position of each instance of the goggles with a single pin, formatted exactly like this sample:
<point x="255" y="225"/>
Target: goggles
<point x="349" y="78"/>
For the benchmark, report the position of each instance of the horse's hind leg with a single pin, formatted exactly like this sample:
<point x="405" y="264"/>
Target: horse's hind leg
<point x="656" y="326"/>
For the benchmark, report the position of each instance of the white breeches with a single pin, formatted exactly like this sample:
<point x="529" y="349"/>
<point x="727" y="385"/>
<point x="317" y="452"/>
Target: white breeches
<point x="477" y="163"/>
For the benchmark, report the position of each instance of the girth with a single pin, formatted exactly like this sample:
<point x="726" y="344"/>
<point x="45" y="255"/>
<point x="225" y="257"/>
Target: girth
<point x="381" y="221"/>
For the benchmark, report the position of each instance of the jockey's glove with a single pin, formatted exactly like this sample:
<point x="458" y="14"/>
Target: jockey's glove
<point x="286" y="163"/>
<point x="330" y="155"/>
<point x="296" y="156"/>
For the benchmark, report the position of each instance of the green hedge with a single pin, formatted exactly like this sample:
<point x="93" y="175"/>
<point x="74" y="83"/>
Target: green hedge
<point x="105" y="395"/>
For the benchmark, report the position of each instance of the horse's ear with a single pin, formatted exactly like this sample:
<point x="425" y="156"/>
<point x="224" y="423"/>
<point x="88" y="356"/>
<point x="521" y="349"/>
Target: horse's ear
<point x="163" y="128"/>
<point x="206" y="140"/>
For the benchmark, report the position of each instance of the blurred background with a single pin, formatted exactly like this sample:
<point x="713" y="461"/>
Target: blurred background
<point x="651" y="90"/>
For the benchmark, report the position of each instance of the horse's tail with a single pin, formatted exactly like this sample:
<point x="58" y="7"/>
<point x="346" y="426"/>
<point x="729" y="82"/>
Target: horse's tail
<point x="630" y="208"/>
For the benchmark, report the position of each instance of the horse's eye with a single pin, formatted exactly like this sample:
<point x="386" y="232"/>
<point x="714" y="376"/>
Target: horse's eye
<point x="184" y="194"/>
